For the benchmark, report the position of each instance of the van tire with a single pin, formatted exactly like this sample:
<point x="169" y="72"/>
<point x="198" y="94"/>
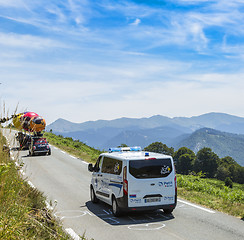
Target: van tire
<point x="115" y="208"/>
<point x="168" y="211"/>
<point x="93" y="195"/>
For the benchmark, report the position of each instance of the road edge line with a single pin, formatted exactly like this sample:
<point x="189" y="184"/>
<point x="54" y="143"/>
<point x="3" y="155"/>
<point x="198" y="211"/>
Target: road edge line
<point x="72" y="233"/>
<point x="196" y="206"/>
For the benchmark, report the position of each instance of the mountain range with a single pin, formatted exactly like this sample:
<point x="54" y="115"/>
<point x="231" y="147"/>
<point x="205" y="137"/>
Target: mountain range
<point x="223" y="133"/>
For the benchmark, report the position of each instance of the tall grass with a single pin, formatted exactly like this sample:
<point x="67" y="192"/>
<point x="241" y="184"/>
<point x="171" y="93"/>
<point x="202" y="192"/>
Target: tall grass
<point x="23" y="214"/>
<point x="212" y="193"/>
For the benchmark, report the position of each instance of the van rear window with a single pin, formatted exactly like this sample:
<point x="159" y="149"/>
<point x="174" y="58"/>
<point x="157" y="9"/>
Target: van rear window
<point x="153" y="168"/>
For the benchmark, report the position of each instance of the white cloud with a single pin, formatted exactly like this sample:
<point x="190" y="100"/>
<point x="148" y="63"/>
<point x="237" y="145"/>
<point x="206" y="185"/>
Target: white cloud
<point x="27" y="41"/>
<point x="136" y="22"/>
<point x="12" y="3"/>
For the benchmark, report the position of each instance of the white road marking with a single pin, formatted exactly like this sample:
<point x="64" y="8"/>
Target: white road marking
<point x="85" y="162"/>
<point x="70" y="155"/>
<point x="196" y="206"/>
<point x="112" y="219"/>
<point x="31" y="184"/>
<point x="48" y="205"/>
<point x="72" y="233"/>
<point x="147" y="227"/>
<point x="89" y="213"/>
<point x="70" y="214"/>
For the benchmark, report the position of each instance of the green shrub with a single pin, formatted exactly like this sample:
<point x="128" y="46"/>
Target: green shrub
<point x="212" y="193"/>
<point x="228" y="182"/>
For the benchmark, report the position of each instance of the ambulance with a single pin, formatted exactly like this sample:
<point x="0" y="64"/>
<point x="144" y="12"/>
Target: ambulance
<point x="129" y="179"/>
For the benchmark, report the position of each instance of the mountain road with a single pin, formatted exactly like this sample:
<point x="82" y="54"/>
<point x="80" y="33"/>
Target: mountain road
<point x="65" y="181"/>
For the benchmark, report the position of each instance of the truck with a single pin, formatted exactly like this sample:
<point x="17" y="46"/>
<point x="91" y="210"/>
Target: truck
<point x="24" y="140"/>
<point x="36" y="144"/>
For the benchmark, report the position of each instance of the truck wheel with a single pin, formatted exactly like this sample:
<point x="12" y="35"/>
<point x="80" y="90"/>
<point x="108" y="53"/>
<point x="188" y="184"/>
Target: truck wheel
<point x="168" y="211"/>
<point x="93" y="196"/>
<point x="115" y="208"/>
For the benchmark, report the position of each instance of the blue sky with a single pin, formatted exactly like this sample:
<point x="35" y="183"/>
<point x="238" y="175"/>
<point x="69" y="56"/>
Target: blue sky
<point x="104" y="59"/>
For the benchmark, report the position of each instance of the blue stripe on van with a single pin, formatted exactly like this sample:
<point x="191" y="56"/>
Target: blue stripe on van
<point x="116" y="185"/>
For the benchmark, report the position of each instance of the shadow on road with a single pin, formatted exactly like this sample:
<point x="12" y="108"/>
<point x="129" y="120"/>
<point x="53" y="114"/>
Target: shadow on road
<point x="148" y="218"/>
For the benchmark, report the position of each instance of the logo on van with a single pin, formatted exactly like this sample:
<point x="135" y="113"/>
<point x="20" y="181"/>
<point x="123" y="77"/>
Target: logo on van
<point x="165" y="170"/>
<point x="135" y="200"/>
<point x="165" y="184"/>
<point x="116" y="168"/>
<point x="167" y="198"/>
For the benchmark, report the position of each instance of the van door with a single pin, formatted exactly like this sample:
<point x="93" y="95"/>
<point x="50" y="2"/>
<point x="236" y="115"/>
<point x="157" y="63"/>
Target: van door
<point x="151" y="182"/>
<point x="104" y="191"/>
<point x="97" y="177"/>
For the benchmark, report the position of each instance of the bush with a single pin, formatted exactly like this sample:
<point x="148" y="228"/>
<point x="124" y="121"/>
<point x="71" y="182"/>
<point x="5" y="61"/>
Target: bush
<point x="228" y="182"/>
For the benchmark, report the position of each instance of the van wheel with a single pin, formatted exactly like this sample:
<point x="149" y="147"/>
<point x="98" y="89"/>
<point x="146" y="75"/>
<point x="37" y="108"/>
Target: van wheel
<point x="115" y="208"/>
<point x="93" y="196"/>
<point x="168" y="211"/>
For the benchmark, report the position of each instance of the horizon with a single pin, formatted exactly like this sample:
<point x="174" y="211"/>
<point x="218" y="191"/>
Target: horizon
<point x="146" y="117"/>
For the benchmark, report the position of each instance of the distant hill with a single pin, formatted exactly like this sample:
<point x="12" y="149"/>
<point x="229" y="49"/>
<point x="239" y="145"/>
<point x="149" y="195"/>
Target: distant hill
<point x="222" y="143"/>
<point x="219" y="121"/>
<point x="106" y="137"/>
<point x="175" y="132"/>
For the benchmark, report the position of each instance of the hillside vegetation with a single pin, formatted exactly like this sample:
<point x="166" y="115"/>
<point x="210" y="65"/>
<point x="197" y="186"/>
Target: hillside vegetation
<point x="74" y="147"/>
<point x="23" y="213"/>
<point x="222" y="143"/>
<point x="212" y="193"/>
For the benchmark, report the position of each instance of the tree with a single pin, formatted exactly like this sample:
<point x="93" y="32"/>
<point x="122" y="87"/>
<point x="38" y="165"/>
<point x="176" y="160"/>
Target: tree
<point x="227" y="161"/>
<point x="222" y="172"/>
<point x="207" y="162"/>
<point x="159" y="147"/>
<point x="228" y="167"/>
<point x="122" y="145"/>
<point x="228" y="182"/>
<point x="181" y="151"/>
<point x="185" y="163"/>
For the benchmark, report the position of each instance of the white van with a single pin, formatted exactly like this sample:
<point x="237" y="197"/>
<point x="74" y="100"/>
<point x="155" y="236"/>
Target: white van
<point x="129" y="179"/>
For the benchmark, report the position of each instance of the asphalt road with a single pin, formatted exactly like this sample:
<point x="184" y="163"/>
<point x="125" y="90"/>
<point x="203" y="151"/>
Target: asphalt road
<point x="65" y="181"/>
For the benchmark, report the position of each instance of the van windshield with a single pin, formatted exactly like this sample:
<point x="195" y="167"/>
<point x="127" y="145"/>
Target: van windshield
<point x="153" y="168"/>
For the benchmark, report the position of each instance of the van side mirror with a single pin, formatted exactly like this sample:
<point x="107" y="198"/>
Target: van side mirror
<point x="90" y="167"/>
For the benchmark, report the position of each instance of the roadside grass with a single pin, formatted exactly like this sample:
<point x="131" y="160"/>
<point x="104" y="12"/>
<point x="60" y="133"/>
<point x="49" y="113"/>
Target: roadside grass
<point x="74" y="147"/>
<point x="23" y="212"/>
<point x="212" y="193"/>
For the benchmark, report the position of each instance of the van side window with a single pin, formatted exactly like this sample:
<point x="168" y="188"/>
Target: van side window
<point x="112" y="166"/>
<point x="97" y="166"/>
